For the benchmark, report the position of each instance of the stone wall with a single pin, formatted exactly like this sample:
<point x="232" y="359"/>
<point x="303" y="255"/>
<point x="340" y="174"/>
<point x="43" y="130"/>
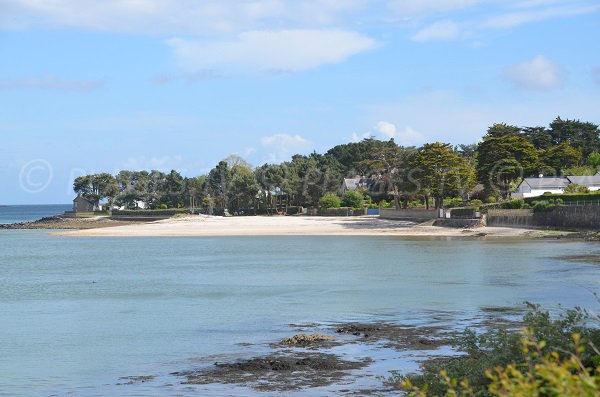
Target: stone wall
<point x="420" y="215"/>
<point x="580" y="217"/>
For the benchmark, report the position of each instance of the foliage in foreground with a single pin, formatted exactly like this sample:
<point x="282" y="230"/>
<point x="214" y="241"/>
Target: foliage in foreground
<point x="551" y="357"/>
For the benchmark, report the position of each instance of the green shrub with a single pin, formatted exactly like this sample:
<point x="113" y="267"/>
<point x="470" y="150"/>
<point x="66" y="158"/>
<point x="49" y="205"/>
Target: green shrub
<point x="330" y="201"/>
<point x="164" y="206"/>
<point x="453" y="202"/>
<point x="497" y="348"/>
<point x="491" y="199"/>
<point x="575" y="188"/>
<point x="354" y="199"/>
<point x="475" y="203"/>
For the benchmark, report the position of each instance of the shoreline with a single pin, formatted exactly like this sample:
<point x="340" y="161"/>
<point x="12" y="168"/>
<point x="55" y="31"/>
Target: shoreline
<point x="207" y="226"/>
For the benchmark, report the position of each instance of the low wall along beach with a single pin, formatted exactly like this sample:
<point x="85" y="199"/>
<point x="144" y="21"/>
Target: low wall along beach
<point x="586" y="217"/>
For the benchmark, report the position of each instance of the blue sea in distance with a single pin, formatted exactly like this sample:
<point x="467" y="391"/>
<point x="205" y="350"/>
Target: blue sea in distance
<point x="28" y="213"/>
<point x="77" y="314"/>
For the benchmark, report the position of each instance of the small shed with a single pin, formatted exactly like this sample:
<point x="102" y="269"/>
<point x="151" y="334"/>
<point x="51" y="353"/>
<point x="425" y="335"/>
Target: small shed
<point x="81" y="204"/>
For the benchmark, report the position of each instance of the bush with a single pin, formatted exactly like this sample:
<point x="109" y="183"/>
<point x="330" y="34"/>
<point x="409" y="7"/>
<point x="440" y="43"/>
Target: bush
<point x="453" y="202"/>
<point x="330" y="201"/>
<point x="546" y="205"/>
<point x="354" y="199"/>
<point x="475" y="203"/>
<point x="491" y="200"/>
<point x="507" y="355"/>
<point x="575" y="188"/>
<point x="164" y="206"/>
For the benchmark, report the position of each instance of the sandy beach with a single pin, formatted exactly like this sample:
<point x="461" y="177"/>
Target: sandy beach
<point x="206" y="226"/>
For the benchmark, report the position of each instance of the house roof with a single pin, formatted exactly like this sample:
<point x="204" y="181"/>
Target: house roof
<point x="80" y="197"/>
<point x="548" y="183"/>
<point x="588" y="180"/>
<point x="355" y="183"/>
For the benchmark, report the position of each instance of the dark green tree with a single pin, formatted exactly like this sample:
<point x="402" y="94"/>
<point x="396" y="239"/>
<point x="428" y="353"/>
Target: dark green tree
<point x="503" y="160"/>
<point x="440" y="171"/>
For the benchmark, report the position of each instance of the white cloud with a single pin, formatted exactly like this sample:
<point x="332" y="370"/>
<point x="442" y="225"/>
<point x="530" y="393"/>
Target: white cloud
<point x="422" y="7"/>
<point x="539" y="73"/>
<point x="443" y="30"/>
<point x="290" y="50"/>
<point x="514" y="19"/>
<point x="51" y="82"/>
<point x="282" y="146"/>
<point x="408" y="136"/>
<point x="464" y="117"/>
<point x="174" y="17"/>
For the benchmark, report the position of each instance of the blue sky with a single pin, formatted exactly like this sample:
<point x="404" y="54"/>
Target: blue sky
<point x="90" y="86"/>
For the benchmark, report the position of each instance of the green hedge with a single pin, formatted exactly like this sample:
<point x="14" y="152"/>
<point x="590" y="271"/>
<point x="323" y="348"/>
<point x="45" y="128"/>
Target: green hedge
<point x="462" y="213"/>
<point x="569" y="197"/>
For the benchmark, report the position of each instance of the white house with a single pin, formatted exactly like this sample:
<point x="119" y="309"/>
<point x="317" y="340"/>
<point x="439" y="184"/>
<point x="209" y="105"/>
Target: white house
<point x="533" y="187"/>
<point x="592" y="182"/>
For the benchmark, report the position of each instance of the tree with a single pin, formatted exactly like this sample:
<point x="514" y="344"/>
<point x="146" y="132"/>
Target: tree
<point x="582" y="135"/>
<point x="243" y="188"/>
<point x="97" y="187"/>
<point x="217" y="184"/>
<point x="562" y="156"/>
<point x="391" y="166"/>
<point x="504" y="159"/>
<point x="439" y="170"/>
<point x="502" y="129"/>
<point x="353" y="198"/>
<point x="173" y="189"/>
<point x="350" y="155"/>
<point x="539" y="137"/>
<point x="593" y="159"/>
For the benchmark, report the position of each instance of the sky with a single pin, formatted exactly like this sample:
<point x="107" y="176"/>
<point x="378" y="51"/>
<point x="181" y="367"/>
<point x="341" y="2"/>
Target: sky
<point x="92" y="86"/>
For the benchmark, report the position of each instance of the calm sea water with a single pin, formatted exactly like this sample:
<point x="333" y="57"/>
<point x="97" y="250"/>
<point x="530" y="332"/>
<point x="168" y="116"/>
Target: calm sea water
<point x="27" y="213"/>
<point x="76" y="314"/>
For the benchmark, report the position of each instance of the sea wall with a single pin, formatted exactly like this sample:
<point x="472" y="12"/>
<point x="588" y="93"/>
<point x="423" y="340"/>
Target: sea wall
<point x="459" y="223"/>
<point x="584" y="217"/>
<point x="420" y="215"/>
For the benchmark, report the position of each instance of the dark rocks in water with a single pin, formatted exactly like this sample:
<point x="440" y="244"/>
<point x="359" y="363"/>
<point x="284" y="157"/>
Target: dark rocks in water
<point x="132" y="380"/>
<point x="277" y="371"/>
<point x="397" y="337"/>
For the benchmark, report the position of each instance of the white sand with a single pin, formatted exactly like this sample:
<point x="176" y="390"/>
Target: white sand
<point x="289" y="226"/>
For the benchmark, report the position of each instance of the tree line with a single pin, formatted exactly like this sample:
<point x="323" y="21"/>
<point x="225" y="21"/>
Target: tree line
<point x="430" y="173"/>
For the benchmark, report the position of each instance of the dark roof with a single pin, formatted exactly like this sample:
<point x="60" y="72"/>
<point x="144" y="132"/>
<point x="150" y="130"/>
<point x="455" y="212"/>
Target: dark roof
<point x="81" y="197"/>
<point x="588" y="180"/>
<point x="549" y="183"/>
<point x="356" y="183"/>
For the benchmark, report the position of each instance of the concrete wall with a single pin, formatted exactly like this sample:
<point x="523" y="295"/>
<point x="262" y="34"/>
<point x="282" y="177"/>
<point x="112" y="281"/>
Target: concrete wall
<point x="457" y="222"/>
<point x="409" y="214"/>
<point x="584" y="217"/>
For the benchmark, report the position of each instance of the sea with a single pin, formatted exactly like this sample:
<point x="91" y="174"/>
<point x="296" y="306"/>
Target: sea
<point x="83" y="316"/>
<point x="28" y="213"/>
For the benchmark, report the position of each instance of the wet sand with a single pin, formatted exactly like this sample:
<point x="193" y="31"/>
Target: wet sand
<point x="206" y="226"/>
